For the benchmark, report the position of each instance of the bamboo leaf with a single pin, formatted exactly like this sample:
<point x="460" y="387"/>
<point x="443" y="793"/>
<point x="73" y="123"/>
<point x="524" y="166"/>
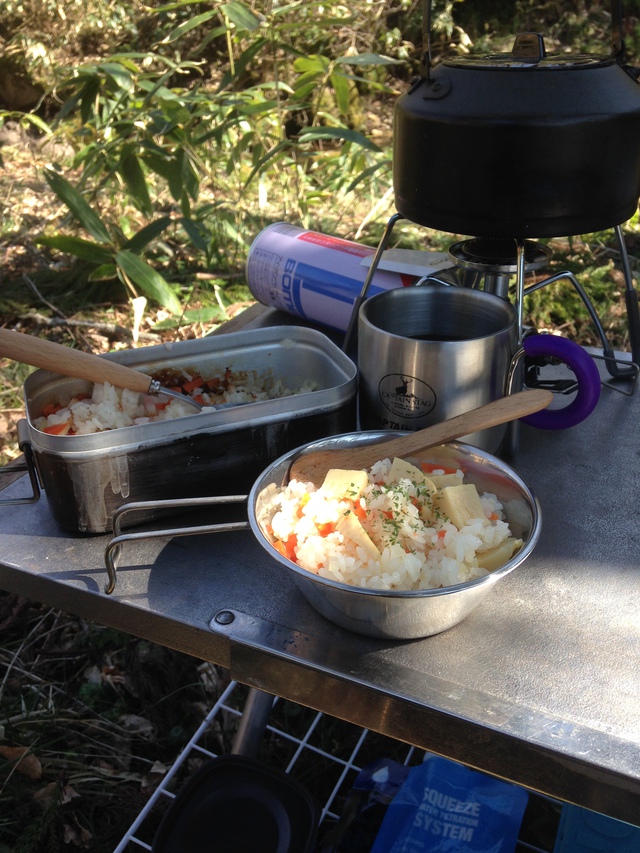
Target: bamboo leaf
<point x="76" y="246"/>
<point x="190" y="179"/>
<point x="134" y="178"/>
<point x="31" y="118"/>
<point x="194" y="22"/>
<point x="105" y="272"/>
<point x="150" y="232"/>
<point x="367" y="173"/>
<point x="242" y="62"/>
<point x="194" y="234"/>
<point x="174" y="179"/>
<point x="169" y="7"/>
<point x="288" y="10"/>
<point x="171" y="170"/>
<point x="120" y="75"/>
<point x="240" y="15"/>
<point x="87" y="99"/>
<point x="341" y="92"/>
<point x="314" y="64"/>
<point x="148" y="280"/>
<point x="211" y="35"/>
<point x="314" y="133"/>
<point x="270" y="155"/>
<point x="126" y="59"/>
<point x="81" y="210"/>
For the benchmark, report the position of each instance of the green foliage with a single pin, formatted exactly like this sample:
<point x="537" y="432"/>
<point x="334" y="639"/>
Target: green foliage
<point x="194" y="123"/>
<point x="195" y="151"/>
<point x="112" y="253"/>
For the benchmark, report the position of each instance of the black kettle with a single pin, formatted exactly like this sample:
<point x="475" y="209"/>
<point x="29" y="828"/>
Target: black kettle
<point x="522" y="144"/>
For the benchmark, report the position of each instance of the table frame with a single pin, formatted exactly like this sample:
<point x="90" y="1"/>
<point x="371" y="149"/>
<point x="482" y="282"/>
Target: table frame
<point x="539" y="686"/>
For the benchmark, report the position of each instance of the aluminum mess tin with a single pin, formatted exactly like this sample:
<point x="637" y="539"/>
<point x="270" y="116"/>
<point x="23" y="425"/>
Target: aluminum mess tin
<point x="88" y="477"/>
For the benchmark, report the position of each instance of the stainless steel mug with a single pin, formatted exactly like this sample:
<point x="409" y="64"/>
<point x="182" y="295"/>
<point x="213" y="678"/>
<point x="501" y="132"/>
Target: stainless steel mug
<point x="428" y="353"/>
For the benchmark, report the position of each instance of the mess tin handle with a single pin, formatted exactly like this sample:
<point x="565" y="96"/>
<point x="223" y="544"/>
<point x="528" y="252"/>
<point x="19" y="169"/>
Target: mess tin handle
<point x="587" y="378"/>
<point x="114" y="547"/>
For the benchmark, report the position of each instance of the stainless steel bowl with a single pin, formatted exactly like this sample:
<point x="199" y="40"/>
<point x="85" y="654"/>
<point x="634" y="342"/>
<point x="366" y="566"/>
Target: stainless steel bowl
<point x="416" y="613"/>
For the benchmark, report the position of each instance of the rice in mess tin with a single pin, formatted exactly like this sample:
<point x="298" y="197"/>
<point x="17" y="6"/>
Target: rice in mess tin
<point x="113" y="408"/>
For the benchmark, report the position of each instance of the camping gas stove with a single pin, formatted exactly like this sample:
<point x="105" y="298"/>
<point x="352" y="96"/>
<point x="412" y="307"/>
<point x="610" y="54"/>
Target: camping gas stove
<point x="500" y="266"/>
<point x="491" y="264"/>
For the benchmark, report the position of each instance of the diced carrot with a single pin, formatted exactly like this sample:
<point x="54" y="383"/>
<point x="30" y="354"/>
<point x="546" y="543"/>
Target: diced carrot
<point x="198" y="398"/>
<point x="360" y="511"/>
<point x="442" y="534"/>
<point x="388" y="513"/>
<point x="430" y="467"/>
<point x="51" y="409"/>
<point x="288" y="548"/>
<point x="326" y="529"/>
<point x="161" y="404"/>
<point x="197" y="382"/>
<point x="58" y="429"/>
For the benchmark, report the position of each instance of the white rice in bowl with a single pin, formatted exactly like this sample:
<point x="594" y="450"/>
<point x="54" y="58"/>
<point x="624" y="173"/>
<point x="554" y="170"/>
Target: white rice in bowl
<point x="410" y="543"/>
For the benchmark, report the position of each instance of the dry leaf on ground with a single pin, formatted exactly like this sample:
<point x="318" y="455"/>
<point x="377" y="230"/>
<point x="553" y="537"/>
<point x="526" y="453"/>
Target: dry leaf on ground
<point x="26" y="762"/>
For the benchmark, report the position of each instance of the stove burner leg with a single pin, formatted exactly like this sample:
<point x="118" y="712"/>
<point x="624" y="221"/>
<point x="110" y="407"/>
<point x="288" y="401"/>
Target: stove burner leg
<point x="633" y="308"/>
<point x="613" y="364"/>
<point x="511" y="441"/>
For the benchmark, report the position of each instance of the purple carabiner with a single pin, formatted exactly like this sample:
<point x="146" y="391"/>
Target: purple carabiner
<point x="587" y="377"/>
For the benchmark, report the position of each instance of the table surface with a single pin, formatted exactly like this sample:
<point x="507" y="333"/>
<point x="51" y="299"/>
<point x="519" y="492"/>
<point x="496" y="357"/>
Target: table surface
<point x="540" y="685"/>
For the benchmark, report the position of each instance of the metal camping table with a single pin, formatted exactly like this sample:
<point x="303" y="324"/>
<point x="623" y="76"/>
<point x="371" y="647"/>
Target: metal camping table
<point x="538" y="686"/>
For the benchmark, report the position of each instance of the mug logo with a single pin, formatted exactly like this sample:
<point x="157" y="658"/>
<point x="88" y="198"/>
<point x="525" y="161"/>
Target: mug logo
<point x="406" y="396"/>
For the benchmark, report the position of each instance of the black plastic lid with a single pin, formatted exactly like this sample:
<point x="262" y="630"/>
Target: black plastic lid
<point x="234" y="804"/>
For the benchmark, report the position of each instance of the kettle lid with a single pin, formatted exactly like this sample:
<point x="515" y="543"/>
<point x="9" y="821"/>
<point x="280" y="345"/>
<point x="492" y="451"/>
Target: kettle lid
<point x="529" y="52"/>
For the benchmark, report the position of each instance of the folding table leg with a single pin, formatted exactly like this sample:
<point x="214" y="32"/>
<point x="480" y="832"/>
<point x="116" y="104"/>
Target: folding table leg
<point x="253" y="723"/>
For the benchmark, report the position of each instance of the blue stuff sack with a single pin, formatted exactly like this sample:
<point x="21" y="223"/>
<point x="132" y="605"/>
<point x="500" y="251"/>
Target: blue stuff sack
<point x="374" y="788"/>
<point x="443" y="807"/>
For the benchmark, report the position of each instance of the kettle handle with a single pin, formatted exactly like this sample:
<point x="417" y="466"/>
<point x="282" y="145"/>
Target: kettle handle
<point x="425" y="59"/>
<point x="587" y="377"/>
<point x="617" y="42"/>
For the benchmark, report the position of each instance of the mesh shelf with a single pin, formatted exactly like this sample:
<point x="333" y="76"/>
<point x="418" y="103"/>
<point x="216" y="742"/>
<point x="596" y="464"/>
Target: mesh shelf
<point x="322" y="753"/>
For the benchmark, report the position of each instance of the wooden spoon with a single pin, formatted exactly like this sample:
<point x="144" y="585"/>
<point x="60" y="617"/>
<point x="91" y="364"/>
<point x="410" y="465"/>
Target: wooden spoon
<point x="313" y="466"/>
<point x="39" y="352"/>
